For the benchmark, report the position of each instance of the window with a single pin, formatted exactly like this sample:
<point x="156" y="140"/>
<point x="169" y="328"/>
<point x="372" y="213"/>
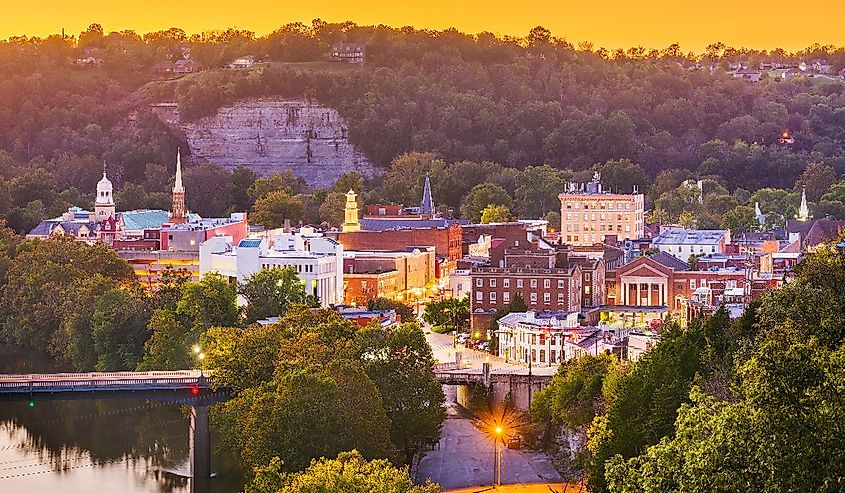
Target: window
<point x="587" y="289"/>
<point x="692" y="283"/>
<point x="479" y="296"/>
<point x="506" y="283"/>
<point x="492" y="283"/>
<point x="534" y="355"/>
<point x="479" y="282"/>
<point x="533" y="339"/>
<point x="492" y="296"/>
<point x="533" y="297"/>
<point x="560" y="298"/>
<point x="542" y="356"/>
<point x="506" y="296"/>
<point x="587" y="276"/>
<point x="552" y="355"/>
<point x="547" y="298"/>
<point x="519" y="283"/>
<point x="560" y="283"/>
<point x="533" y="283"/>
<point x="704" y="283"/>
<point x="547" y="283"/>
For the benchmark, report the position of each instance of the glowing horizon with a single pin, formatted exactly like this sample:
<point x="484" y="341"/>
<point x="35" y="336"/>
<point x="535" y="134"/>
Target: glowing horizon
<point x="610" y="24"/>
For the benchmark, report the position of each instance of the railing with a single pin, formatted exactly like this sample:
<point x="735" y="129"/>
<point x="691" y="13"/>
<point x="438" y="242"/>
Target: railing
<point x="40" y="382"/>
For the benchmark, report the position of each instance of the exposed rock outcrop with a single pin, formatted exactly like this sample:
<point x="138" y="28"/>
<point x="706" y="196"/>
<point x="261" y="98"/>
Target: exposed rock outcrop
<point x="271" y="136"/>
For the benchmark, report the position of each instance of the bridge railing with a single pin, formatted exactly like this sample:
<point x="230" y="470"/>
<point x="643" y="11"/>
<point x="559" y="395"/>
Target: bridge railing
<point x="113" y="380"/>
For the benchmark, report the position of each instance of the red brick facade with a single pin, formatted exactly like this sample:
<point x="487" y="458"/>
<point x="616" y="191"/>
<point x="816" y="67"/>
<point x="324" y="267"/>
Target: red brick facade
<point x="446" y="241"/>
<point x="556" y="289"/>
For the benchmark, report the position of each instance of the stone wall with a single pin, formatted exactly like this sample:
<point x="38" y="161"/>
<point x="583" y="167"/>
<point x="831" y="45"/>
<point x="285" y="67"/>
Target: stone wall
<point x="272" y="135"/>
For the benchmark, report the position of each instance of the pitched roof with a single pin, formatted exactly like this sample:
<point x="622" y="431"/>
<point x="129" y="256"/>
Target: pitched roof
<point x="144" y="219"/>
<point x="670" y="261"/>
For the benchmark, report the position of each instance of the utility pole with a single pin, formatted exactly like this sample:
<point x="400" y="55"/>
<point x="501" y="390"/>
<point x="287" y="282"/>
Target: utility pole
<point x="529" y="379"/>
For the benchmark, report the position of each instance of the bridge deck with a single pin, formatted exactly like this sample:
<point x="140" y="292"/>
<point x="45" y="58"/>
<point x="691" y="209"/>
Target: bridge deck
<point x="107" y="381"/>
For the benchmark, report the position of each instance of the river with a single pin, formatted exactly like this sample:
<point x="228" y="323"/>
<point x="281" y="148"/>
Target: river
<point x="101" y="446"/>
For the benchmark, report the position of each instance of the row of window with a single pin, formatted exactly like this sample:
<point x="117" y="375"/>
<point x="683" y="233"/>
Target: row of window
<point x="492" y="297"/>
<point x="308" y="269"/>
<point x="690" y="249"/>
<point x="570" y="216"/>
<point x="577" y="228"/>
<point x="506" y="283"/>
<point x="620" y="206"/>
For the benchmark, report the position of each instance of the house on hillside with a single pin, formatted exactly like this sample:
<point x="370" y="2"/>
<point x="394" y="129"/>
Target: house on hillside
<point x="243" y="62"/>
<point x="185" y="66"/>
<point x="821" y="67"/>
<point x="747" y="73"/>
<point x="348" y="52"/>
<point x="90" y="57"/>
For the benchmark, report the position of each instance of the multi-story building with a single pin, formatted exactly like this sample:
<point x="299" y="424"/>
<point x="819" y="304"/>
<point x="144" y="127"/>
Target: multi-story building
<point x="550" y="338"/>
<point x="317" y="260"/>
<point x="400" y="275"/>
<point x="681" y="243"/>
<point x="588" y="214"/>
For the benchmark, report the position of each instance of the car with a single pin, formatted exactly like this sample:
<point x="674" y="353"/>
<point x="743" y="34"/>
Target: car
<point x="515" y="442"/>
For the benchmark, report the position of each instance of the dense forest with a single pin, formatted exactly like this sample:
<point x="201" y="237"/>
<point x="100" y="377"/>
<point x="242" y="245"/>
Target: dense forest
<point x="469" y="100"/>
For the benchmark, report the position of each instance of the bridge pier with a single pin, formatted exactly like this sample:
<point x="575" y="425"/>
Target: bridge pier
<point x="200" y="442"/>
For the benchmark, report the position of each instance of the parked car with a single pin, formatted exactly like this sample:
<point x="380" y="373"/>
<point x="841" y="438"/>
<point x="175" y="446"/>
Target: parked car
<point x="515" y="442"/>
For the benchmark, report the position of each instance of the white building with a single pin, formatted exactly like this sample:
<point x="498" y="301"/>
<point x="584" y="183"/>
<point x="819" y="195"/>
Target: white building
<point x="538" y="337"/>
<point x="681" y="243"/>
<point x="318" y="260"/>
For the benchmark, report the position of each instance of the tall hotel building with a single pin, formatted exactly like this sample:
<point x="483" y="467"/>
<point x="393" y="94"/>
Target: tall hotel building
<point x="588" y="214"/>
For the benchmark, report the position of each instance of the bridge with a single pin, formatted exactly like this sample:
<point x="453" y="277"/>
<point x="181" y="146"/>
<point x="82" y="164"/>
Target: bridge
<point x="189" y="387"/>
<point x="520" y="386"/>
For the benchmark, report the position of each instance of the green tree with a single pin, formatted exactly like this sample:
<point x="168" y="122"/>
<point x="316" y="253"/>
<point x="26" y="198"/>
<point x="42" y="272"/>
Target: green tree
<point x="399" y="360"/>
<point x="537" y="189"/>
<point x="740" y="219"/>
<point x="272" y="209"/>
<point x="495" y="214"/>
<point x="349" y="473"/>
<point x="169" y="345"/>
<point x="621" y="175"/>
<point x="405" y="311"/>
<point x="284" y="181"/>
<point x="482" y="196"/>
<point x="448" y="311"/>
<point x="206" y="303"/>
<point x="269" y="292"/>
<point x="816" y="179"/>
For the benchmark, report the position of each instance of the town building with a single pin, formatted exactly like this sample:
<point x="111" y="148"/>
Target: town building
<point x="589" y="213"/>
<point x="317" y="260"/>
<point x="546" y="339"/>
<point x="407" y="275"/>
<point x="681" y="243"/>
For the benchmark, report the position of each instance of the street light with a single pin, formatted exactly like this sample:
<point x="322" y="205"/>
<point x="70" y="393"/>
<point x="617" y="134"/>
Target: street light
<point x="200" y="356"/>
<point x="497" y="467"/>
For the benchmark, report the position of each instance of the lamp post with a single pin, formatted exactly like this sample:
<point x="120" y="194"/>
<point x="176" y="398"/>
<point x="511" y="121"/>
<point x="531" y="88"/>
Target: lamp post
<point x="200" y="357"/>
<point x="497" y="466"/>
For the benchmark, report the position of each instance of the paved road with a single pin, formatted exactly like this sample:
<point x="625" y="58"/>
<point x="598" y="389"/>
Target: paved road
<point x="465" y="458"/>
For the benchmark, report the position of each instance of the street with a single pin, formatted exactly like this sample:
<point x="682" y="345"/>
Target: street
<point x="441" y="347"/>
<point x="465" y="457"/>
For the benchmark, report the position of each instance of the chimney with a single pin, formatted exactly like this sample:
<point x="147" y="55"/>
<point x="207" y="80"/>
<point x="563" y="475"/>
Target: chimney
<point x="562" y="258"/>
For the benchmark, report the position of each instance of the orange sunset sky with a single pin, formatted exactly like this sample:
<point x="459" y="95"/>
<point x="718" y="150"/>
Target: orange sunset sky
<point x="613" y="23"/>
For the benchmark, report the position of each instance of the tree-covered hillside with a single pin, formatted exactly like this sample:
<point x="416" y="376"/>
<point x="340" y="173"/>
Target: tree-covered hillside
<point x="474" y="99"/>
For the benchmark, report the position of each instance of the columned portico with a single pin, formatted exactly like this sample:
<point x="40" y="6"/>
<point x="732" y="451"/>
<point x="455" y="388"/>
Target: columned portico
<point x="643" y="291"/>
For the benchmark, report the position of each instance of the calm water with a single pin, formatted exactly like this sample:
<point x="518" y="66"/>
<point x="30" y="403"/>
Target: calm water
<point x="98" y="446"/>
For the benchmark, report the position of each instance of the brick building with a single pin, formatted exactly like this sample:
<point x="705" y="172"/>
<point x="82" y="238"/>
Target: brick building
<point x="588" y="214"/>
<point x="446" y="240"/>
<point x="400" y="275"/>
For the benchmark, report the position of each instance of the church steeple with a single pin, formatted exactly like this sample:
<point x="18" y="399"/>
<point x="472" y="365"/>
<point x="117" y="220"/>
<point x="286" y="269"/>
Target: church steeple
<point x="104" y="203"/>
<point x="803" y="211"/>
<point x="427" y="204"/>
<point x="350" y="214"/>
<point x="178" y="214"/>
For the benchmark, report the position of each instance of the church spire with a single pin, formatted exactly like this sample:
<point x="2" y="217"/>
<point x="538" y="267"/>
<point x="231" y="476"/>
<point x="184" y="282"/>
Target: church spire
<point x="803" y="211"/>
<point x="427" y="204"/>
<point x="178" y="213"/>
<point x="177" y="187"/>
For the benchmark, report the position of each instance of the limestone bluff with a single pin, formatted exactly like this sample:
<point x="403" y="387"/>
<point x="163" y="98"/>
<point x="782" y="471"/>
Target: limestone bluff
<point x="273" y="135"/>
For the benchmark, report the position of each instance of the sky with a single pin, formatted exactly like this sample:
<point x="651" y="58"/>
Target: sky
<point x="610" y="23"/>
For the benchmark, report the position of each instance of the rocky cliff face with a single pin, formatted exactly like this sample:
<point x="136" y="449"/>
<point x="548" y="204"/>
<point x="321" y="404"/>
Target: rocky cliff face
<point x="271" y="136"/>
